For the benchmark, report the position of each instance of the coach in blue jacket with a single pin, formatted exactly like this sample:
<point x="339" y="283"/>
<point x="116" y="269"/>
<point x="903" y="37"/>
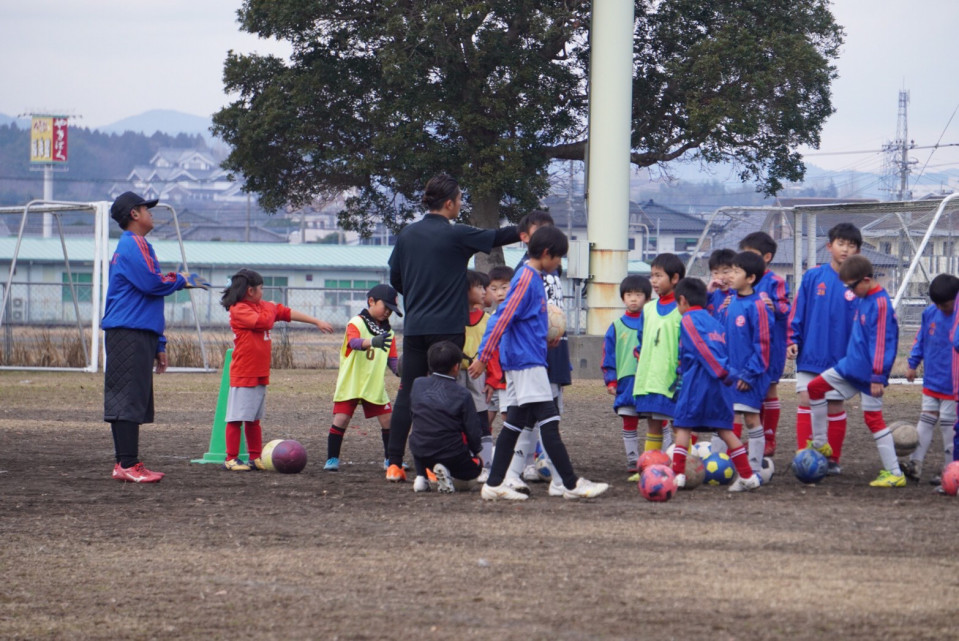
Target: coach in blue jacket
<point x="428" y="267"/>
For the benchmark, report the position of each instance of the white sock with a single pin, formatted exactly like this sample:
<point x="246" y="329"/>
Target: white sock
<point x="925" y="427"/>
<point x="631" y="444"/>
<point x="524" y="443"/>
<point x="531" y="451"/>
<point x="757" y="444"/>
<point x="667" y="435"/>
<point x="887" y="451"/>
<point x="819" y="415"/>
<point x="486" y="450"/>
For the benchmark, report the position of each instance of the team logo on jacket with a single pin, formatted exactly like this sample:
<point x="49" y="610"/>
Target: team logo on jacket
<point x="850" y="295"/>
<point x="821" y="289"/>
<point x="740" y="321"/>
<point x="932" y="328"/>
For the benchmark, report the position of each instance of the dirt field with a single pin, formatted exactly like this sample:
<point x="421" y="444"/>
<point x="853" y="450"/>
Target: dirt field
<point x="209" y="554"/>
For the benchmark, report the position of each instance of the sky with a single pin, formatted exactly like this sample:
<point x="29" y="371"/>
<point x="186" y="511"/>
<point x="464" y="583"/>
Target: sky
<point x="105" y="60"/>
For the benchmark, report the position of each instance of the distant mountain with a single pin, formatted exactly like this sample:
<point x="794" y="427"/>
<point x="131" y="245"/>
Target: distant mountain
<point x="21" y="123"/>
<point x="164" y="121"/>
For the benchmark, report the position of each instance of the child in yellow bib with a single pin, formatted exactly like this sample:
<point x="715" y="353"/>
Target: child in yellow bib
<point x="366" y="352"/>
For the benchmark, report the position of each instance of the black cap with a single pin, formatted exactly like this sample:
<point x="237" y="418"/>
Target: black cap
<point x="386" y="294"/>
<point x="125" y="203"/>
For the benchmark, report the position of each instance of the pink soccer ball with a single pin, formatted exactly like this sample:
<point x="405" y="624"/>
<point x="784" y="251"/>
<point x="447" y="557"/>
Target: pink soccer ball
<point x="657" y="483"/>
<point x="652" y="457"/>
<point x="950" y="478"/>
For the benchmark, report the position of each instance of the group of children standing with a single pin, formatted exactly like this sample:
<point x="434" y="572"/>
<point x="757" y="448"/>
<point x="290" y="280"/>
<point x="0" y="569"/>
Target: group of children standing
<point x="697" y="359"/>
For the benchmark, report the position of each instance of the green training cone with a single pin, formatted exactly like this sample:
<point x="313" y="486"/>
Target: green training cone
<point x="217" y="451"/>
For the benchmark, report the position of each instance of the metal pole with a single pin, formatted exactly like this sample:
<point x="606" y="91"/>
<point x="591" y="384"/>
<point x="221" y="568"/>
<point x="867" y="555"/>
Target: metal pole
<point x="811" y="237"/>
<point x="48" y="196"/>
<point x="922" y="248"/>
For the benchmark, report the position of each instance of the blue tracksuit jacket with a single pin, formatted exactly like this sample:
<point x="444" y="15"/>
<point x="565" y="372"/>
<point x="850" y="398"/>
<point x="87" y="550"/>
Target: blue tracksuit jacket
<point x="748" y="323"/>
<point x="820" y="321"/>
<point x="933" y="344"/>
<point x="624" y="386"/>
<point x="703" y="400"/>
<point x="873" y="343"/>
<point x="774" y="287"/>
<point x="519" y="325"/>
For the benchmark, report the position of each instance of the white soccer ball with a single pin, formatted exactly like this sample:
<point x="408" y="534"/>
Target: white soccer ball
<point x="767" y="471"/>
<point x="542" y="468"/>
<point x="701" y="449"/>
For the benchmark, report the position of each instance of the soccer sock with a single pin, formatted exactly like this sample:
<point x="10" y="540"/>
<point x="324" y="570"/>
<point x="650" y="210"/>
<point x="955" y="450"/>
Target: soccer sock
<point x="803" y="427"/>
<point x="254" y="439"/>
<point x="741" y="462"/>
<point x="385" y="435"/>
<point x="769" y="417"/>
<point x="884" y="442"/>
<point x="531" y="451"/>
<point x="503" y="454"/>
<point x="818" y="410"/>
<point x="486" y="450"/>
<point x="556" y="450"/>
<point x="524" y="443"/>
<point x="926" y="428"/>
<point x="126" y="436"/>
<point x="232" y="436"/>
<point x="738" y="430"/>
<point x="667" y="436"/>
<point x="334" y="442"/>
<point x="679" y="459"/>
<point x="631" y="438"/>
<point x="653" y="442"/>
<point x="836" y="433"/>
<point x="757" y="444"/>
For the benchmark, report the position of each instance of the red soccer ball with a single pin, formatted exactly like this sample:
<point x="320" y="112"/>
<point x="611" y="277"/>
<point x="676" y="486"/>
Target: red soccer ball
<point x="657" y="483"/>
<point x="950" y="478"/>
<point x="285" y="457"/>
<point x="652" y="457"/>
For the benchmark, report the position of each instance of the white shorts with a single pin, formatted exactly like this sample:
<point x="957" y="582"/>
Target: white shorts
<point x="557" y="391"/>
<point x="476" y="388"/>
<point x="945" y="408"/>
<point x="245" y="403"/>
<point x="655" y="416"/>
<point x="847" y="390"/>
<point x="526" y="386"/>
<point x="627" y="410"/>
<point x="803" y="379"/>
<point x="497" y="401"/>
<point x="745" y="409"/>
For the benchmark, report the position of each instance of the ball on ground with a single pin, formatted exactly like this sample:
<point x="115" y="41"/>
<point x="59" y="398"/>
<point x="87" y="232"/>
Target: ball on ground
<point x="905" y="437"/>
<point x="767" y="471"/>
<point x="809" y="466"/>
<point x="702" y="449"/>
<point x="652" y="457"/>
<point x="657" y="483"/>
<point x="950" y="478"/>
<point x="285" y="456"/>
<point x="719" y="469"/>
<point x="695" y="472"/>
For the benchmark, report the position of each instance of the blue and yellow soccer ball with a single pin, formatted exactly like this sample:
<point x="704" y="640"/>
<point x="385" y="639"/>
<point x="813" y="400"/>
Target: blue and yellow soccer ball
<point x="719" y="469"/>
<point x="810" y="466"/>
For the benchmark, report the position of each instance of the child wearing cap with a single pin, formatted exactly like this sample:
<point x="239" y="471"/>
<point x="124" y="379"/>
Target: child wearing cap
<point x="366" y="352"/>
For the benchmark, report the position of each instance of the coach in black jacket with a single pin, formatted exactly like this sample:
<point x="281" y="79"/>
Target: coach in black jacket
<point x="428" y="267"/>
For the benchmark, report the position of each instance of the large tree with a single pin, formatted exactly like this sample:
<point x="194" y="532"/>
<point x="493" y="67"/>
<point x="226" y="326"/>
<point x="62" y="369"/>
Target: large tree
<point x="378" y="95"/>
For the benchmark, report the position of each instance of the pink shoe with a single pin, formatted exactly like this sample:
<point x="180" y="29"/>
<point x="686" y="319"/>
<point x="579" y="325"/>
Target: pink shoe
<point x="136" y="474"/>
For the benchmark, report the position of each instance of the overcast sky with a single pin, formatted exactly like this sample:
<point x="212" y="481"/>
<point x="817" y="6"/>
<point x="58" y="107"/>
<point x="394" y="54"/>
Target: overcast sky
<point x="108" y="59"/>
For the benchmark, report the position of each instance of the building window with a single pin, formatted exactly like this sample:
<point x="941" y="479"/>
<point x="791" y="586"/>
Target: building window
<point x="685" y="244"/>
<point x="82" y="282"/>
<point x="273" y="288"/>
<point x="632" y="244"/>
<point x="309" y="278"/>
<point x="885" y="248"/>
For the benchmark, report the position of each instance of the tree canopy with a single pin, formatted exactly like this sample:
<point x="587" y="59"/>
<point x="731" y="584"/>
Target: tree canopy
<point x="378" y="95"/>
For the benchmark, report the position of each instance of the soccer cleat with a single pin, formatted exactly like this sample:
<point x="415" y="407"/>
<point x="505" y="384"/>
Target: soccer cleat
<point x="420" y="484"/>
<point x="825" y="449"/>
<point x="746" y="484"/>
<point x="585" y="489"/>
<point x="137" y="474"/>
<point x="386" y="465"/>
<point x="888" y="479"/>
<point x="530" y="473"/>
<point x="516" y="484"/>
<point x="770" y="448"/>
<point x="681" y="481"/>
<point x="444" y="480"/>
<point x="936" y="480"/>
<point x="632" y="466"/>
<point x="501" y="492"/>
<point x="634" y="478"/>
<point x="235" y="465"/>
<point x="940" y="490"/>
<point x="395" y="474"/>
<point x="833" y="468"/>
<point x="332" y="464"/>
<point x="116" y="472"/>
<point x="483" y="476"/>
<point x="912" y="469"/>
<point x="556" y="488"/>
<point x="257" y="465"/>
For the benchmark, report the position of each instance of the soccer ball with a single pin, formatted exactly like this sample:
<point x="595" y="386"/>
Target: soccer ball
<point x="652" y="457"/>
<point x="284" y="456"/>
<point x="905" y="437"/>
<point x="809" y="466"/>
<point x="767" y="470"/>
<point x="542" y="468"/>
<point x="557" y="322"/>
<point x="702" y="449"/>
<point x="719" y="469"/>
<point x="950" y="478"/>
<point x="657" y="483"/>
<point x="695" y="472"/>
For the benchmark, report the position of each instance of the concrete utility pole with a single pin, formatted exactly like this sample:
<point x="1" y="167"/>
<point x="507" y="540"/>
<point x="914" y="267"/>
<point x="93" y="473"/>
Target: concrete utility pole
<point x="897" y="167"/>
<point x="608" y="162"/>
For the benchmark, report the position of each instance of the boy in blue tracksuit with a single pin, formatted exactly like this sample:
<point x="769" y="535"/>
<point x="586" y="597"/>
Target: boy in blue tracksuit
<point x="718" y="291"/>
<point x="619" y="361"/>
<point x="820" y="323"/>
<point x="864" y="369"/>
<point x="775" y="291"/>
<point x="748" y="322"/>
<point x="519" y="328"/>
<point x="933" y="345"/>
<point x="704" y="401"/>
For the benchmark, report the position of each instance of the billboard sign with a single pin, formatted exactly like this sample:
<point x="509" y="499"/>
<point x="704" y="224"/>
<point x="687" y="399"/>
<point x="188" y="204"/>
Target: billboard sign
<point x="48" y="139"/>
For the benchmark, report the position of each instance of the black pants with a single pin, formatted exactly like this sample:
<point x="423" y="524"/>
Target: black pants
<point x="414" y="366"/>
<point x="128" y="388"/>
<point x="461" y="466"/>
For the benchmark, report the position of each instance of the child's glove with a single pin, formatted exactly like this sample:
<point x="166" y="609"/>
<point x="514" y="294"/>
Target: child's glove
<point x="382" y="341"/>
<point x="195" y="281"/>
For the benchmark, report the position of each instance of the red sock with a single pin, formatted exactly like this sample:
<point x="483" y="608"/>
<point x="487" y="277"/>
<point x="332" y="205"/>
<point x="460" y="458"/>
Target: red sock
<point x="254" y="439"/>
<point x="232" y="435"/>
<point x="770" y="420"/>
<point x="874" y="421"/>
<point x="738" y="430"/>
<point x="836" y="434"/>
<point x="630" y="423"/>
<point x="804" y="427"/>
<point x="679" y="459"/>
<point x="741" y="461"/>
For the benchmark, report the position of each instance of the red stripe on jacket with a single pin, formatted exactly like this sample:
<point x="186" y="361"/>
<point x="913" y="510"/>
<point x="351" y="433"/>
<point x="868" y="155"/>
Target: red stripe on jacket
<point x="880" y="353"/>
<point x="702" y="348"/>
<point x="522" y="285"/>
